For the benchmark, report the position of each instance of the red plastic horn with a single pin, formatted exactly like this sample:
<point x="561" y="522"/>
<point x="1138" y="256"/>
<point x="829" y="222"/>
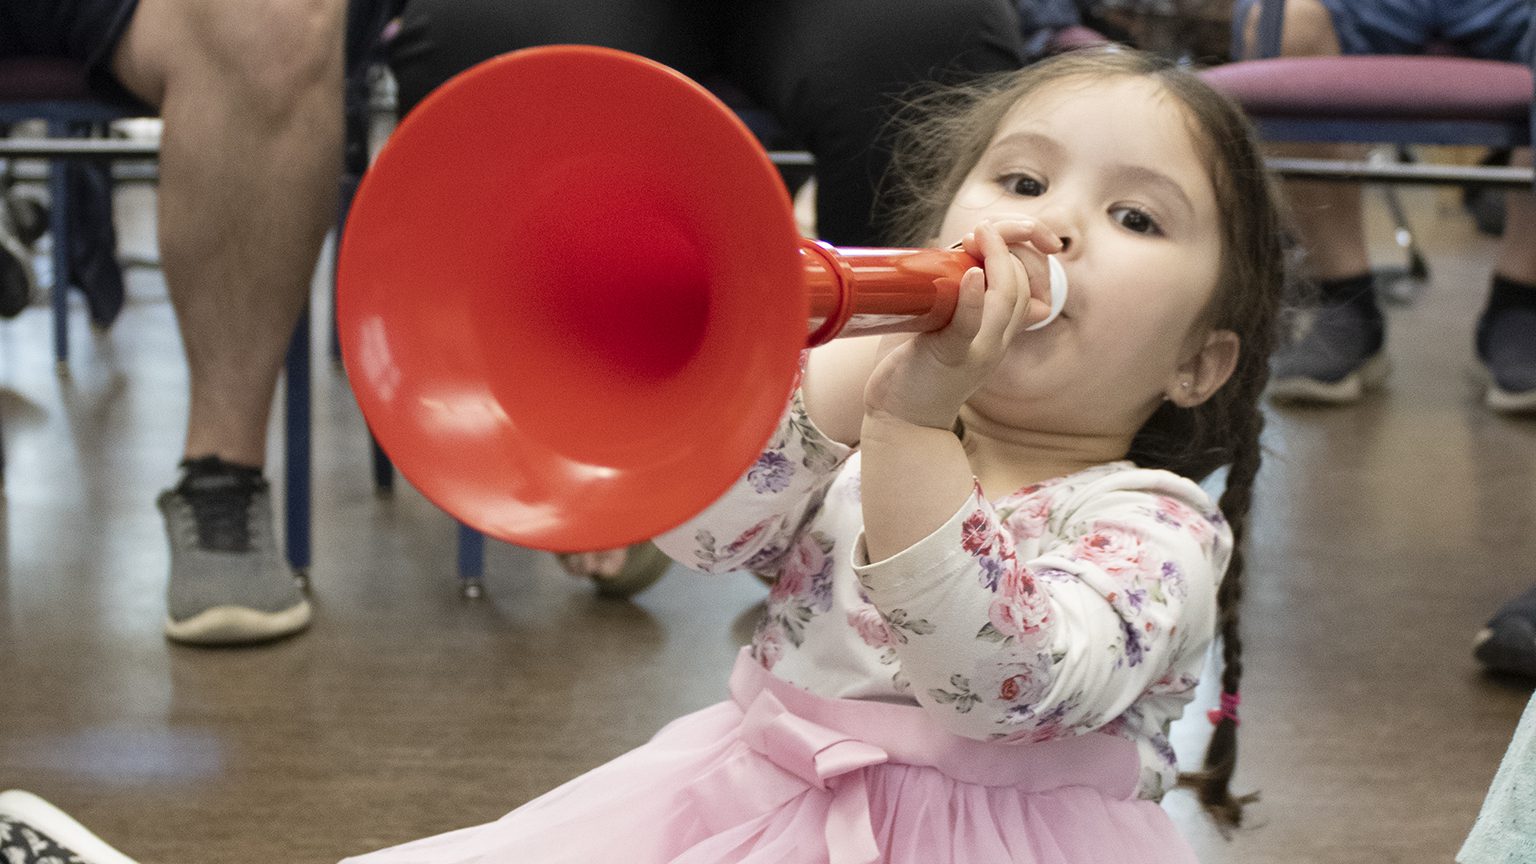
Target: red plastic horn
<point x="572" y="297"/>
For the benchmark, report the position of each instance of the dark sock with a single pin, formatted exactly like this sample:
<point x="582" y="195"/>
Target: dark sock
<point x="1507" y="295"/>
<point x="219" y="493"/>
<point x="1359" y="291"/>
<point x="212" y="466"/>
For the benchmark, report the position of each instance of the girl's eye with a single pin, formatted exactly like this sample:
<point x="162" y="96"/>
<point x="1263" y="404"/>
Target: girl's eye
<point x="1136" y="220"/>
<point x="1022" y="184"/>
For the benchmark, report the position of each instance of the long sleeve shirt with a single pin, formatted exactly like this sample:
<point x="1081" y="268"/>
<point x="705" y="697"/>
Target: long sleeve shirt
<point x="1082" y="603"/>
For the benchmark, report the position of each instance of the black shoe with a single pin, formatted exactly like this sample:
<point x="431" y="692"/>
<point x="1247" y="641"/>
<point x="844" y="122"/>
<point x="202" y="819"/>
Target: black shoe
<point x="1506" y="343"/>
<point x="1508" y="643"/>
<point x="32" y="831"/>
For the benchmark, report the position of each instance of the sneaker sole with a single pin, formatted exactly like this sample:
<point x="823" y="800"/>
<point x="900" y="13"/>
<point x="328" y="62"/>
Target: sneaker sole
<point x="237" y="625"/>
<point x="1508" y="655"/>
<point x="1510" y="401"/>
<point x="60" y="827"/>
<point x="1350" y="388"/>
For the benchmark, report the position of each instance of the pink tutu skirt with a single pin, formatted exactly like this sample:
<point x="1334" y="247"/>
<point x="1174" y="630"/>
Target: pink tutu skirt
<point x="777" y="774"/>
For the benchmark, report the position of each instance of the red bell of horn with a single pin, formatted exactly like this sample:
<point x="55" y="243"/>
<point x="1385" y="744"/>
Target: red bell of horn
<point x="572" y="297"/>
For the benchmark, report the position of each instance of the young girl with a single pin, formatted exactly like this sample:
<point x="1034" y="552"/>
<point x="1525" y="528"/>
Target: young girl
<point x="996" y="577"/>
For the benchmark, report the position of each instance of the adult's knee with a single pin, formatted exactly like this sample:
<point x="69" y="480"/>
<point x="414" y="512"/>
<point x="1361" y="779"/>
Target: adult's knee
<point x="1309" y="29"/>
<point x="271" y="55"/>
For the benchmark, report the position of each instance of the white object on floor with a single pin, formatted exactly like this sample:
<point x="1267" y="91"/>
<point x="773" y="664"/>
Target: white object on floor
<point x="60" y="827"/>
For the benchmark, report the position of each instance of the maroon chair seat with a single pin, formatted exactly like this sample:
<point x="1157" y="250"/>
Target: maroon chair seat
<point x="1379" y="87"/>
<point x="41" y="79"/>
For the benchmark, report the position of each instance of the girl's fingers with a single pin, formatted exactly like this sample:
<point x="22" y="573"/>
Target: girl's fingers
<point x="1026" y="237"/>
<point x="1016" y="231"/>
<point x="1004" y="277"/>
<point x="952" y="343"/>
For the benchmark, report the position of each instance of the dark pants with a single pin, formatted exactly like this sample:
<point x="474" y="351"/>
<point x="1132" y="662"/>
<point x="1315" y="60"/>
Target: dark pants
<point x="829" y="71"/>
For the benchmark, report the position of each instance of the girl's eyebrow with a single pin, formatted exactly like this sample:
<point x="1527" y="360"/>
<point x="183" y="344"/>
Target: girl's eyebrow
<point x="1147" y="176"/>
<point x="1025" y="139"/>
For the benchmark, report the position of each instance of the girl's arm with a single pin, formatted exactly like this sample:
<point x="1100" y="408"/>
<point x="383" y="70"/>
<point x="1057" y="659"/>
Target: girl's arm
<point x="1119" y="599"/>
<point x="915" y="472"/>
<point x="755" y="523"/>
<point x="833" y="388"/>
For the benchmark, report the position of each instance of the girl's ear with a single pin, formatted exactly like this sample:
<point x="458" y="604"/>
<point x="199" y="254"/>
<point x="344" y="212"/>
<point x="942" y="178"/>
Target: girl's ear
<point x="1203" y="373"/>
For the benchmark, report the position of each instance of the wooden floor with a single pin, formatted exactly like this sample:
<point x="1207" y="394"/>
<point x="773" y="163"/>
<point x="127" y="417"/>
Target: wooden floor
<point x="1385" y="535"/>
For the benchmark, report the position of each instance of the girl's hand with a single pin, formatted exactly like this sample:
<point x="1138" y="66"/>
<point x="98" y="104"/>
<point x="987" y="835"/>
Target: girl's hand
<point x="925" y="378"/>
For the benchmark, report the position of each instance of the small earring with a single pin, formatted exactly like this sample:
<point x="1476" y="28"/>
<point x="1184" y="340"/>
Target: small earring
<point x="1186" y="384"/>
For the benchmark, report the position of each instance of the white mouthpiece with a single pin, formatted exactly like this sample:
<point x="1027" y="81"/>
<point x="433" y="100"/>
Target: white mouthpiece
<point x="1058" y="292"/>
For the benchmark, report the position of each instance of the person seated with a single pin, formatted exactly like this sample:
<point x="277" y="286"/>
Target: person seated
<point x="249" y="164"/>
<point x="1342" y="353"/>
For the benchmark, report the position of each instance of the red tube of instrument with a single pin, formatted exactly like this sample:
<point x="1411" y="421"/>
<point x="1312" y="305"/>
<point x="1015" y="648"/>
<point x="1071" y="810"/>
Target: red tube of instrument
<point x="862" y="292"/>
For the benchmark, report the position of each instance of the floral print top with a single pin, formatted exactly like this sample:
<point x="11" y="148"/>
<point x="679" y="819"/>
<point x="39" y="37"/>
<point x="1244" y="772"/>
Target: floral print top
<point x="1082" y="603"/>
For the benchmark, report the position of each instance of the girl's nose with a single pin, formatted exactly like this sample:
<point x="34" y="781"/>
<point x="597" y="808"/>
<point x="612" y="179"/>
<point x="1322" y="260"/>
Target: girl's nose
<point x="1059" y="219"/>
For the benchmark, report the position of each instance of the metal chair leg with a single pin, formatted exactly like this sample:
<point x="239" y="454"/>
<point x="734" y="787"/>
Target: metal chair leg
<point x="297" y="460"/>
<point x="471" y="562"/>
<point x="58" y="226"/>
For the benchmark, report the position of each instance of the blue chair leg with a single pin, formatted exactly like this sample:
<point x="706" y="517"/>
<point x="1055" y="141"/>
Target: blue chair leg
<point x="383" y="469"/>
<point x="297" y="451"/>
<point x="471" y="561"/>
<point x="58" y="226"/>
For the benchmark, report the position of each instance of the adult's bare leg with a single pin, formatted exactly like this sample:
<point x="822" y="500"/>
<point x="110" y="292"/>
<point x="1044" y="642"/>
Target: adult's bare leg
<point x="1517" y="256"/>
<point x="1327" y="215"/>
<point x="251" y="96"/>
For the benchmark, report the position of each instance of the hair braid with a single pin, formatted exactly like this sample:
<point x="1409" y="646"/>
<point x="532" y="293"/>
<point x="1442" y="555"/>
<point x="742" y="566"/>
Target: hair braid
<point x="1212" y="783"/>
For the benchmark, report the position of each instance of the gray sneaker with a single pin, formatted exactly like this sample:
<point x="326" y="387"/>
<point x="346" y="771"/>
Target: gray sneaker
<point x="228" y="585"/>
<point x="1508" y="643"/>
<point x="1336" y="359"/>
<point x="1506" y="343"/>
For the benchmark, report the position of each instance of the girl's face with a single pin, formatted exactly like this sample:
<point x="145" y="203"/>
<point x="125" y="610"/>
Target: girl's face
<point x="1111" y="167"/>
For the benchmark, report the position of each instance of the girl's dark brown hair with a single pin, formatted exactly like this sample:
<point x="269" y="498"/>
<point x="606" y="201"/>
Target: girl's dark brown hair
<point x="942" y="137"/>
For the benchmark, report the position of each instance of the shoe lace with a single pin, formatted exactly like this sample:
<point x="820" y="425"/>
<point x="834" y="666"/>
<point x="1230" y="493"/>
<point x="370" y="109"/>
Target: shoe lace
<point x="221" y="508"/>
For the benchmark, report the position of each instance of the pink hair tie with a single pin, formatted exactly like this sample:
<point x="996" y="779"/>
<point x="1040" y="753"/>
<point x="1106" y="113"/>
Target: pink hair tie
<point x="1228" y="709"/>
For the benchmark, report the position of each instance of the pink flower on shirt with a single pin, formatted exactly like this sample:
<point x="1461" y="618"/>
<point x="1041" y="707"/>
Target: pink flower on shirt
<point x="806" y="573"/>
<point x="1020" y="608"/>
<point x="872" y="629"/>
<point x="1028" y="520"/>
<point x="746" y="537"/>
<point x="978" y="533"/>
<point x="1177" y="514"/>
<point x="1115" y="550"/>
<point x="768" y="644"/>
<point x="790" y="583"/>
